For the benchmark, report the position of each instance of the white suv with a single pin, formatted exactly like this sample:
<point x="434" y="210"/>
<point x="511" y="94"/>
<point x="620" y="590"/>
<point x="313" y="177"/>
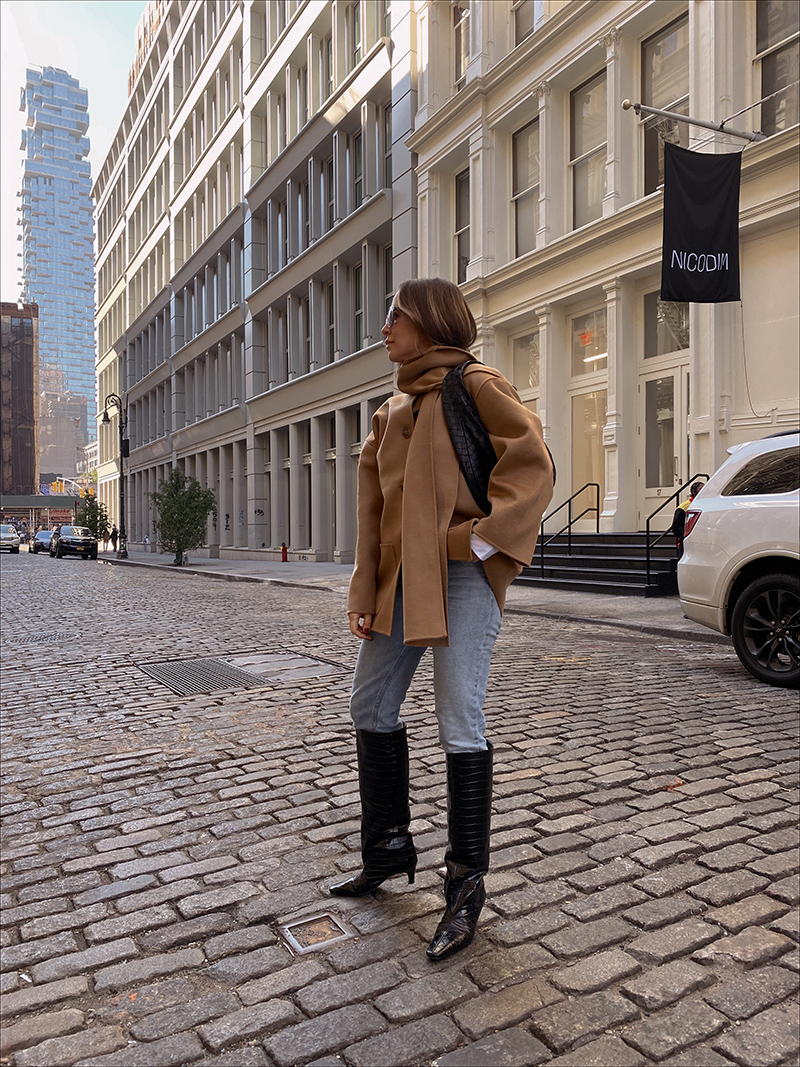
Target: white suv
<point x="739" y="571"/>
<point x="9" y="538"/>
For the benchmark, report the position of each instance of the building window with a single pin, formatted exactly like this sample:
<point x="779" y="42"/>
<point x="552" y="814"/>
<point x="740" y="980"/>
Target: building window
<point x="462" y="225"/>
<point x="526" y="365"/>
<point x="524" y="20"/>
<point x="282" y="237"/>
<point x="386" y="18"/>
<point x="358" y="307"/>
<point x="358" y="172"/>
<point x="388" y="278"/>
<point x="280" y="121"/>
<point x="461" y="41"/>
<point x="304" y="216"/>
<point x="666" y="326"/>
<point x="305" y="324"/>
<point x="588" y="150"/>
<point x="327" y="66"/>
<point x="354" y="33"/>
<point x="525" y="191"/>
<point x="330" y="317"/>
<point x="665" y="84"/>
<point x="302" y="96"/>
<point x="330" y="193"/>
<point x="387" y="146"/>
<point x="589" y="347"/>
<point x="778" y="54"/>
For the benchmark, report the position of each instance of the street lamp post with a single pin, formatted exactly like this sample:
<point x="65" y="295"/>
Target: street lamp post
<point x="116" y="401"/>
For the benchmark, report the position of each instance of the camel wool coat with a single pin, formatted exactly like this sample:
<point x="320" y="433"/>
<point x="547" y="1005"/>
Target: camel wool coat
<point x="415" y="510"/>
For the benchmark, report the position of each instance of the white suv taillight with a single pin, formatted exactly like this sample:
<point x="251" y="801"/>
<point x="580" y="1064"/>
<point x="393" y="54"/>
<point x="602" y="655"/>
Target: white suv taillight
<point x="691" y="519"/>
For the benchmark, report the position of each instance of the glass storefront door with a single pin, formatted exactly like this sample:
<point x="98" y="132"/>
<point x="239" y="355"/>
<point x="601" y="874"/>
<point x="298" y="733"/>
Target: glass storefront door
<point x="663" y="451"/>
<point x="588" y="454"/>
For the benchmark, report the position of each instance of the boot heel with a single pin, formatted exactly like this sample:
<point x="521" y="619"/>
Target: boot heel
<point x="411" y="876"/>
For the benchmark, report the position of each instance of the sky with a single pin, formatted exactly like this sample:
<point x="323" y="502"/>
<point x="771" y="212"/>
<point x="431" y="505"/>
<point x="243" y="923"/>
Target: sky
<point x="94" y="42"/>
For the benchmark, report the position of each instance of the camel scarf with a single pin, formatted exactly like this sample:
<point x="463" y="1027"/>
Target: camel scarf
<point x="429" y="499"/>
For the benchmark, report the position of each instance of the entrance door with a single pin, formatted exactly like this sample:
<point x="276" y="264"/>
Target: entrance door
<point x="663" y="441"/>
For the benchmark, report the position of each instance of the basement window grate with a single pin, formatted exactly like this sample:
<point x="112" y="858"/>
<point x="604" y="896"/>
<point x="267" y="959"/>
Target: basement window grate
<point x="192" y="677"/>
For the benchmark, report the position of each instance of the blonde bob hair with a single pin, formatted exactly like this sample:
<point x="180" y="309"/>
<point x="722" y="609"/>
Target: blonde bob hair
<point x="438" y="309"/>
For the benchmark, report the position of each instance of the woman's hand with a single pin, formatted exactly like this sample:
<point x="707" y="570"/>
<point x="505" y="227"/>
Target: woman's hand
<point x="360" y="625"/>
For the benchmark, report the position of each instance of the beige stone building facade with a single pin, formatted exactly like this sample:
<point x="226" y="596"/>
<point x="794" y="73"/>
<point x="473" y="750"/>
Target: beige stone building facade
<point x="282" y="166"/>
<point x="543" y="196"/>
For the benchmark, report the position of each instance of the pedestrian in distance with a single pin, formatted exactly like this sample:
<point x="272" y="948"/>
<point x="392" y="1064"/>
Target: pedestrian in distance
<point x="114" y="536"/>
<point x="679" y="517"/>
<point x="431" y="571"/>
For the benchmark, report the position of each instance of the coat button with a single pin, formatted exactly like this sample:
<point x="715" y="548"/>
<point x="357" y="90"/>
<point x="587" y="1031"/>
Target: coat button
<point x="406" y="433"/>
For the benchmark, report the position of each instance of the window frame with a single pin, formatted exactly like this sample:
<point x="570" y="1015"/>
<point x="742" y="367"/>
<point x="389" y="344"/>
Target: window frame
<point x="461" y="56"/>
<point x="357" y="162"/>
<point x="358" y="307"/>
<point x="388" y="277"/>
<point x="461" y="232"/>
<point x="355" y="35"/>
<point x="758" y="63"/>
<point x="330" y="316"/>
<point x="594" y="374"/>
<point x="576" y="161"/>
<point x="523" y="5"/>
<point x="527" y="393"/>
<point x="529" y="192"/>
<point x="647" y="125"/>
<point x="387" y="146"/>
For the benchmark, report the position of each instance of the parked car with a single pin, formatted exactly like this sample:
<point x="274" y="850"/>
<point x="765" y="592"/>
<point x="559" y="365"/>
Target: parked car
<point x="41" y="542"/>
<point x="739" y="572"/>
<point x="9" y="538"/>
<point x="74" y="541"/>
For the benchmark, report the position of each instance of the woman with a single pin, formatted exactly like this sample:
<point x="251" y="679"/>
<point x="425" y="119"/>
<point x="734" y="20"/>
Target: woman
<point x="431" y="571"/>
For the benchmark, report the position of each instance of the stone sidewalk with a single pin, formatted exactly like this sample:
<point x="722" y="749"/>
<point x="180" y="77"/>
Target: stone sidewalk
<point x="166" y="856"/>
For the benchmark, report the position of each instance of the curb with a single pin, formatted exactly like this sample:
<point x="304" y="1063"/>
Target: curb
<point x="638" y="627"/>
<point x="656" y="631"/>
<point x="190" y="572"/>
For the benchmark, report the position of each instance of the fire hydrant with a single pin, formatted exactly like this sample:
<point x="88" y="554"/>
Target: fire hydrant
<point x="284" y="552"/>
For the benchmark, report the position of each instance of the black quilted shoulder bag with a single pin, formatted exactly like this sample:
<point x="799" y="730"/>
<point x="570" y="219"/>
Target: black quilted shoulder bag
<point x="476" y="455"/>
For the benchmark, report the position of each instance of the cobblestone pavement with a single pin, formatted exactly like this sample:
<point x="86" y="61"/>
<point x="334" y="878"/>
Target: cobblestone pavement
<point x="644" y="885"/>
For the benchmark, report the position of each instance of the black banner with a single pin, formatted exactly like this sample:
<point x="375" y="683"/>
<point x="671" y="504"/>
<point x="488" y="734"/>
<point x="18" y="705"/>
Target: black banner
<point x="700" y="252"/>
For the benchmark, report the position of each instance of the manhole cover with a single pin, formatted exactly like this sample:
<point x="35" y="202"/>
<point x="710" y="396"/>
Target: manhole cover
<point x="307" y="934"/>
<point x="190" y="677"/>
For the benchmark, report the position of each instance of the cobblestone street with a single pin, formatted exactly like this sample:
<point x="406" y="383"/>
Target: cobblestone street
<point x="642" y="902"/>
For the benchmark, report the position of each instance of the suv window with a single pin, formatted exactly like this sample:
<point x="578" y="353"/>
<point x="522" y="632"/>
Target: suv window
<point x="775" y="472"/>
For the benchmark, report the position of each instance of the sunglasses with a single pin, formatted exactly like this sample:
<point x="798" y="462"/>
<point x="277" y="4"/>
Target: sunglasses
<point x="392" y="317"/>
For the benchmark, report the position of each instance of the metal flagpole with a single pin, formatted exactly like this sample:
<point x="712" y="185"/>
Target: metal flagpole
<point x="720" y="127"/>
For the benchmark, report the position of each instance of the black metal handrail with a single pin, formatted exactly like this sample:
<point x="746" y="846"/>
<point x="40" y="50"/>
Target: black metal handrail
<point x="648" y="545"/>
<point x="543" y="542"/>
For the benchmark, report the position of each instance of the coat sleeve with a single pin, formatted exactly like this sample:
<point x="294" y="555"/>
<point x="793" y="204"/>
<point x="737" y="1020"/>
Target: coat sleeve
<point x="364" y="581"/>
<point x="521" y="484"/>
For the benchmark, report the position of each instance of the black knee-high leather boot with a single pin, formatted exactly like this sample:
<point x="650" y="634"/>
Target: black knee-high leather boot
<point x="469" y="804"/>
<point x="386" y="845"/>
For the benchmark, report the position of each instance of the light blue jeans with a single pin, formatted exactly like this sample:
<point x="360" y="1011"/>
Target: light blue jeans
<point x="386" y="666"/>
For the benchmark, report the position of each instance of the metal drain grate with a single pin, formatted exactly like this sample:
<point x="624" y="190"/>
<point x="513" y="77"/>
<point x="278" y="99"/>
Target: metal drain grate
<point x="190" y="677"/>
<point x="305" y="935"/>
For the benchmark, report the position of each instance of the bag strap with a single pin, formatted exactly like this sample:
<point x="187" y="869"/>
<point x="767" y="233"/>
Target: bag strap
<point x="472" y="444"/>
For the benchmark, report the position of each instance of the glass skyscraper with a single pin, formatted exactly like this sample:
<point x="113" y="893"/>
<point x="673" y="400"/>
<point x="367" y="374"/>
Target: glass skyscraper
<point x="58" y="235"/>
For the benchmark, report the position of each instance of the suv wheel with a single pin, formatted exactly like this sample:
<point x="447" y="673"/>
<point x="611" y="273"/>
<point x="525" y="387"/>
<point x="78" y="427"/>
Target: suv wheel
<point x="765" y="627"/>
